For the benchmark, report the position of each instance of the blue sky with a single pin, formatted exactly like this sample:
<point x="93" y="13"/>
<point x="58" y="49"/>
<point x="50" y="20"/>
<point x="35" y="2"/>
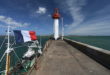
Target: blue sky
<point x="81" y="17"/>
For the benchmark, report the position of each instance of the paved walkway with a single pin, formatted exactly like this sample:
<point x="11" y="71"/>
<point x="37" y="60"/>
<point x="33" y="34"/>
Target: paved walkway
<point x="63" y="59"/>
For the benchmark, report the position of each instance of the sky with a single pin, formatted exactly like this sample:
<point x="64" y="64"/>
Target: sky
<point x="81" y="17"/>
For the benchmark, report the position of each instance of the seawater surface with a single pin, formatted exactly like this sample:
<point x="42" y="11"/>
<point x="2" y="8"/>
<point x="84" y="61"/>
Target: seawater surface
<point x="98" y="41"/>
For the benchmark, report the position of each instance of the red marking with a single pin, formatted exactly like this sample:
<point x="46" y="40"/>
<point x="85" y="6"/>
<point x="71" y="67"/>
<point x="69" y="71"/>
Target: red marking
<point x="33" y="35"/>
<point x="56" y="14"/>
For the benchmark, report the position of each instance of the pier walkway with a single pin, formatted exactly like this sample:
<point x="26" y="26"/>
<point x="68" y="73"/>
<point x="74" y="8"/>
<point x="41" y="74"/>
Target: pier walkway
<point x="63" y="59"/>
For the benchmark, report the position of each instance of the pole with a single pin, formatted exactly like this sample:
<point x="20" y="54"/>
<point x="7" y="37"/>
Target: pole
<point x="7" y="63"/>
<point x="7" y="53"/>
<point x="62" y="29"/>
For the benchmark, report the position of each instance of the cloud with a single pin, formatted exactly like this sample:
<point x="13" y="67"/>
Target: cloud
<point x="75" y="7"/>
<point x="41" y="10"/>
<point x="49" y="15"/>
<point x="12" y="22"/>
<point x="104" y="10"/>
<point x="98" y="26"/>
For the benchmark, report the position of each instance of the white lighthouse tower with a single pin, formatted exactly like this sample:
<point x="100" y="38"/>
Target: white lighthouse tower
<point x="56" y="17"/>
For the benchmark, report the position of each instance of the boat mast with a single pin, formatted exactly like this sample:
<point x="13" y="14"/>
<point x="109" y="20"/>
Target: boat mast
<point x="8" y="53"/>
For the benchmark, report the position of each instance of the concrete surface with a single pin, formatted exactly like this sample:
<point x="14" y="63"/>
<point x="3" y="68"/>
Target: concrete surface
<point x="63" y="59"/>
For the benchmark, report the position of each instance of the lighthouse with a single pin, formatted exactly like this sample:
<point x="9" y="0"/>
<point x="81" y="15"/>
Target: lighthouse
<point x="56" y="17"/>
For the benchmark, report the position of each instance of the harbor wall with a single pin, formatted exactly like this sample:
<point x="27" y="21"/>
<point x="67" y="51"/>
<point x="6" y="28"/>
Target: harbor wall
<point x="48" y="43"/>
<point x="39" y="59"/>
<point x="100" y="55"/>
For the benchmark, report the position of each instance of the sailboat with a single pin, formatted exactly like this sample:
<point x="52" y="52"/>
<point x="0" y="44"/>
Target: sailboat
<point x="23" y="65"/>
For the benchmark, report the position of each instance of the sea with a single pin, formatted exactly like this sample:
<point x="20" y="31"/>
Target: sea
<point x="97" y="41"/>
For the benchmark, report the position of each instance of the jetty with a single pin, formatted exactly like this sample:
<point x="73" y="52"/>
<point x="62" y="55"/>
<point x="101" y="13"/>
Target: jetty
<point x="62" y="58"/>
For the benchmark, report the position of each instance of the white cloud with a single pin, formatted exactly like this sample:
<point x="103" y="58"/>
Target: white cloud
<point x="75" y="7"/>
<point x="41" y="10"/>
<point x="99" y="26"/>
<point x="49" y="15"/>
<point x="10" y="21"/>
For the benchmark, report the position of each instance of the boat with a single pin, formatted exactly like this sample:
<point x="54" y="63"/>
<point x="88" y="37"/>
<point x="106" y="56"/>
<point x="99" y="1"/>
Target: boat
<point x="28" y="60"/>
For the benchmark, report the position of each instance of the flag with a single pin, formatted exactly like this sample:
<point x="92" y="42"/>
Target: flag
<point x="24" y="36"/>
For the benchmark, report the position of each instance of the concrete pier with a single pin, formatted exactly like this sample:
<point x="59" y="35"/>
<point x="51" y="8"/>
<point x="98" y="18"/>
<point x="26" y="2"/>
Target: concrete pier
<point x="63" y="59"/>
